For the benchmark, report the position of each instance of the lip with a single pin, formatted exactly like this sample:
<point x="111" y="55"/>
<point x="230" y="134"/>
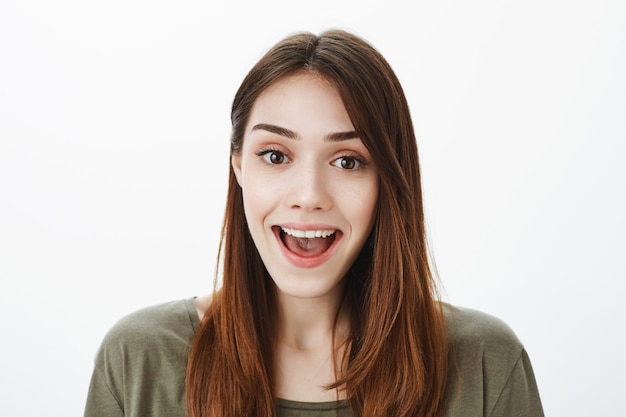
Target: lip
<point x="309" y="261"/>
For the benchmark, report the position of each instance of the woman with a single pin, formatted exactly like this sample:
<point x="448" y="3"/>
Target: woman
<point x="328" y="305"/>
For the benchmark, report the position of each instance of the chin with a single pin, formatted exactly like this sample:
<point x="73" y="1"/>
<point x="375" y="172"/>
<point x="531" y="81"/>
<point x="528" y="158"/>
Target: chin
<point x="308" y="288"/>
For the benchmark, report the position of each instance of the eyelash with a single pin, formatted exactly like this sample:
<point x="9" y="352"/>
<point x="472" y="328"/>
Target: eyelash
<point x="360" y="162"/>
<point x="266" y="153"/>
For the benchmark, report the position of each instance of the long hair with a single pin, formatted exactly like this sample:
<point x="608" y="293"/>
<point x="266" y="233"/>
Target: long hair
<point x="398" y="352"/>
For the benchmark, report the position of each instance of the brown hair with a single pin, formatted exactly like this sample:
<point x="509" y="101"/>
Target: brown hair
<point x="398" y="352"/>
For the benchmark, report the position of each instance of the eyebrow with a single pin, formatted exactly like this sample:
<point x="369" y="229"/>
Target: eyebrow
<point x="290" y="134"/>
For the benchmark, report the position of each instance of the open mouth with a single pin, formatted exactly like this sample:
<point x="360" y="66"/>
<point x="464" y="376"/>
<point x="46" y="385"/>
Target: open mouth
<point x="307" y="243"/>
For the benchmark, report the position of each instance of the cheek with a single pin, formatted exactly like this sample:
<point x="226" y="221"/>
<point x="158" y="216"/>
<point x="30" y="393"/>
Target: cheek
<point x="371" y="201"/>
<point x="369" y="206"/>
<point x="360" y="201"/>
<point x="258" y="197"/>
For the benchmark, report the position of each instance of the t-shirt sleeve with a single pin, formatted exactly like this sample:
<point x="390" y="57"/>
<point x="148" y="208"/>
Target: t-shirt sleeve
<point x="519" y="396"/>
<point x="140" y="367"/>
<point x="490" y="374"/>
<point x="100" y="400"/>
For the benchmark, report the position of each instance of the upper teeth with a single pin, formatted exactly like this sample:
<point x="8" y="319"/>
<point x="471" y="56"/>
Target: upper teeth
<point x="309" y="234"/>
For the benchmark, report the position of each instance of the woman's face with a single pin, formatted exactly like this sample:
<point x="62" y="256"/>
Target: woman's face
<point x="309" y="185"/>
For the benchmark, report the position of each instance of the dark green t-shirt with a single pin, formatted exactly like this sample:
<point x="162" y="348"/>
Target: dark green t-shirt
<point x="140" y="368"/>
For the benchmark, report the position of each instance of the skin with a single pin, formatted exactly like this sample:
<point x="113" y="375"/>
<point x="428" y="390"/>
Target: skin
<point x="303" y="167"/>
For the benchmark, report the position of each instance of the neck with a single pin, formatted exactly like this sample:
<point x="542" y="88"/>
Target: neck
<point x="310" y="348"/>
<point x="306" y="324"/>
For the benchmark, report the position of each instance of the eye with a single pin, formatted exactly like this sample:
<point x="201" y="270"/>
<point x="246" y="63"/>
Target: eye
<point x="273" y="156"/>
<point x="348" y="162"/>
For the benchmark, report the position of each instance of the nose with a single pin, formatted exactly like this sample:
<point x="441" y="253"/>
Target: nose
<point x="309" y="188"/>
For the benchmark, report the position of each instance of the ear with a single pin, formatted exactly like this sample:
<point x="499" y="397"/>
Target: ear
<point x="235" y="162"/>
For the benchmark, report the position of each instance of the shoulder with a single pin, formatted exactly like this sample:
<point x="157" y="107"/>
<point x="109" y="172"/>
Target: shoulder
<point x="148" y="336"/>
<point x="489" y="371"/>
<point x="474" y="330"/>
<point x="142" y="360"/>
<point x="171" y="319"/>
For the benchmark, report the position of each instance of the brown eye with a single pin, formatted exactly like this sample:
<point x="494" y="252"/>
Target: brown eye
<point x="276" y="158"/>
<point x="273" y="157"/>
<point x="347" y="163"/>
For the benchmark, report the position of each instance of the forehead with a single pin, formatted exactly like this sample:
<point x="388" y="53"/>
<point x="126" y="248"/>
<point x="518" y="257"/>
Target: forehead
<point x="298" y="98"/>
